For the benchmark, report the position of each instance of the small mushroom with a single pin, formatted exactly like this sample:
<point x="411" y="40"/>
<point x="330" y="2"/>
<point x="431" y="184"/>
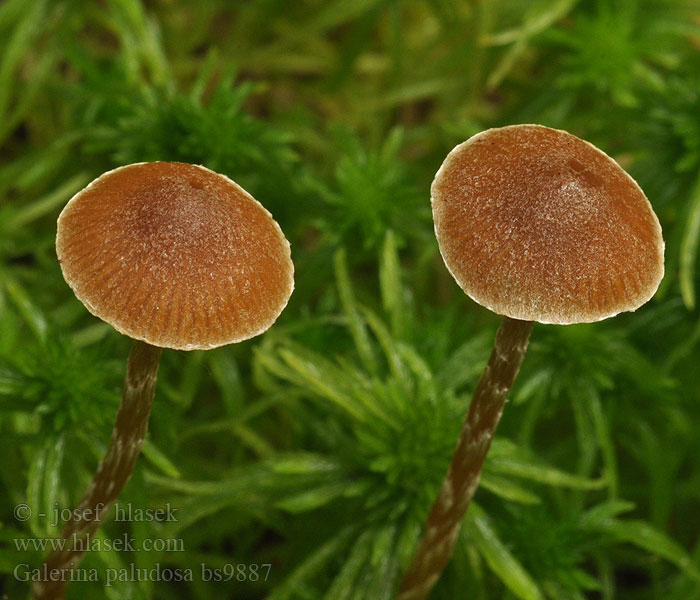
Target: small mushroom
<point x="172" y="255"/>
<point x="537" y="225"/>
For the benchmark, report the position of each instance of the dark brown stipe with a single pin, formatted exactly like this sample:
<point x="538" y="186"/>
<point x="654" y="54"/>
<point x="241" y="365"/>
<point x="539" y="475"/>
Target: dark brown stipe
<point x="114" y="470"/>
<point x="442" y="527"/>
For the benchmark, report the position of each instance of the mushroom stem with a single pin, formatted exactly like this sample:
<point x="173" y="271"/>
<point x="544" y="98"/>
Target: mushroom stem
<point x="462" y="479"/>
<point x="114" y="471"/>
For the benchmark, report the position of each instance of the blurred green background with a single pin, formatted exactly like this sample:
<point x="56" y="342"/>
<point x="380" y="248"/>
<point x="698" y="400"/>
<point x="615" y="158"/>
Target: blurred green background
<point x="318" y="447"/>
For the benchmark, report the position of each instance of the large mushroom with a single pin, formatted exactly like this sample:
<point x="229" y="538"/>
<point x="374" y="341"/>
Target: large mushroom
<point x="172" y="255"/>
<point x="535" y="224"/>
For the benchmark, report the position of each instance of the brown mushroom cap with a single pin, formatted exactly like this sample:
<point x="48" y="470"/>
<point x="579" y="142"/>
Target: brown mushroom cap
<point x="175" y="255"/>
<point x="539" y="225"/>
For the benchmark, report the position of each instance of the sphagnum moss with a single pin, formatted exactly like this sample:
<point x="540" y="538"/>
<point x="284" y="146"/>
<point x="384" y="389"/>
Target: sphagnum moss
<point x="253" y="91"/>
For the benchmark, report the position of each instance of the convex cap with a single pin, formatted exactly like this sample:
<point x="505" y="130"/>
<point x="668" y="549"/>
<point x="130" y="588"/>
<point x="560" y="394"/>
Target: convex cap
<point x="175" y="255"/>
<point x="539" y="225"/>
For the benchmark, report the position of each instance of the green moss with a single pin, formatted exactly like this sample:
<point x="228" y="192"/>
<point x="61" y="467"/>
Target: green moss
<point x="318" y="447"/>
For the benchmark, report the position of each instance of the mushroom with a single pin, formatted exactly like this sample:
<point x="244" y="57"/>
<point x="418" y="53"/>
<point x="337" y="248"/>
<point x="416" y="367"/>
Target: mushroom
<point x="535" y="224"/>
<point x="172" y="255"/>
